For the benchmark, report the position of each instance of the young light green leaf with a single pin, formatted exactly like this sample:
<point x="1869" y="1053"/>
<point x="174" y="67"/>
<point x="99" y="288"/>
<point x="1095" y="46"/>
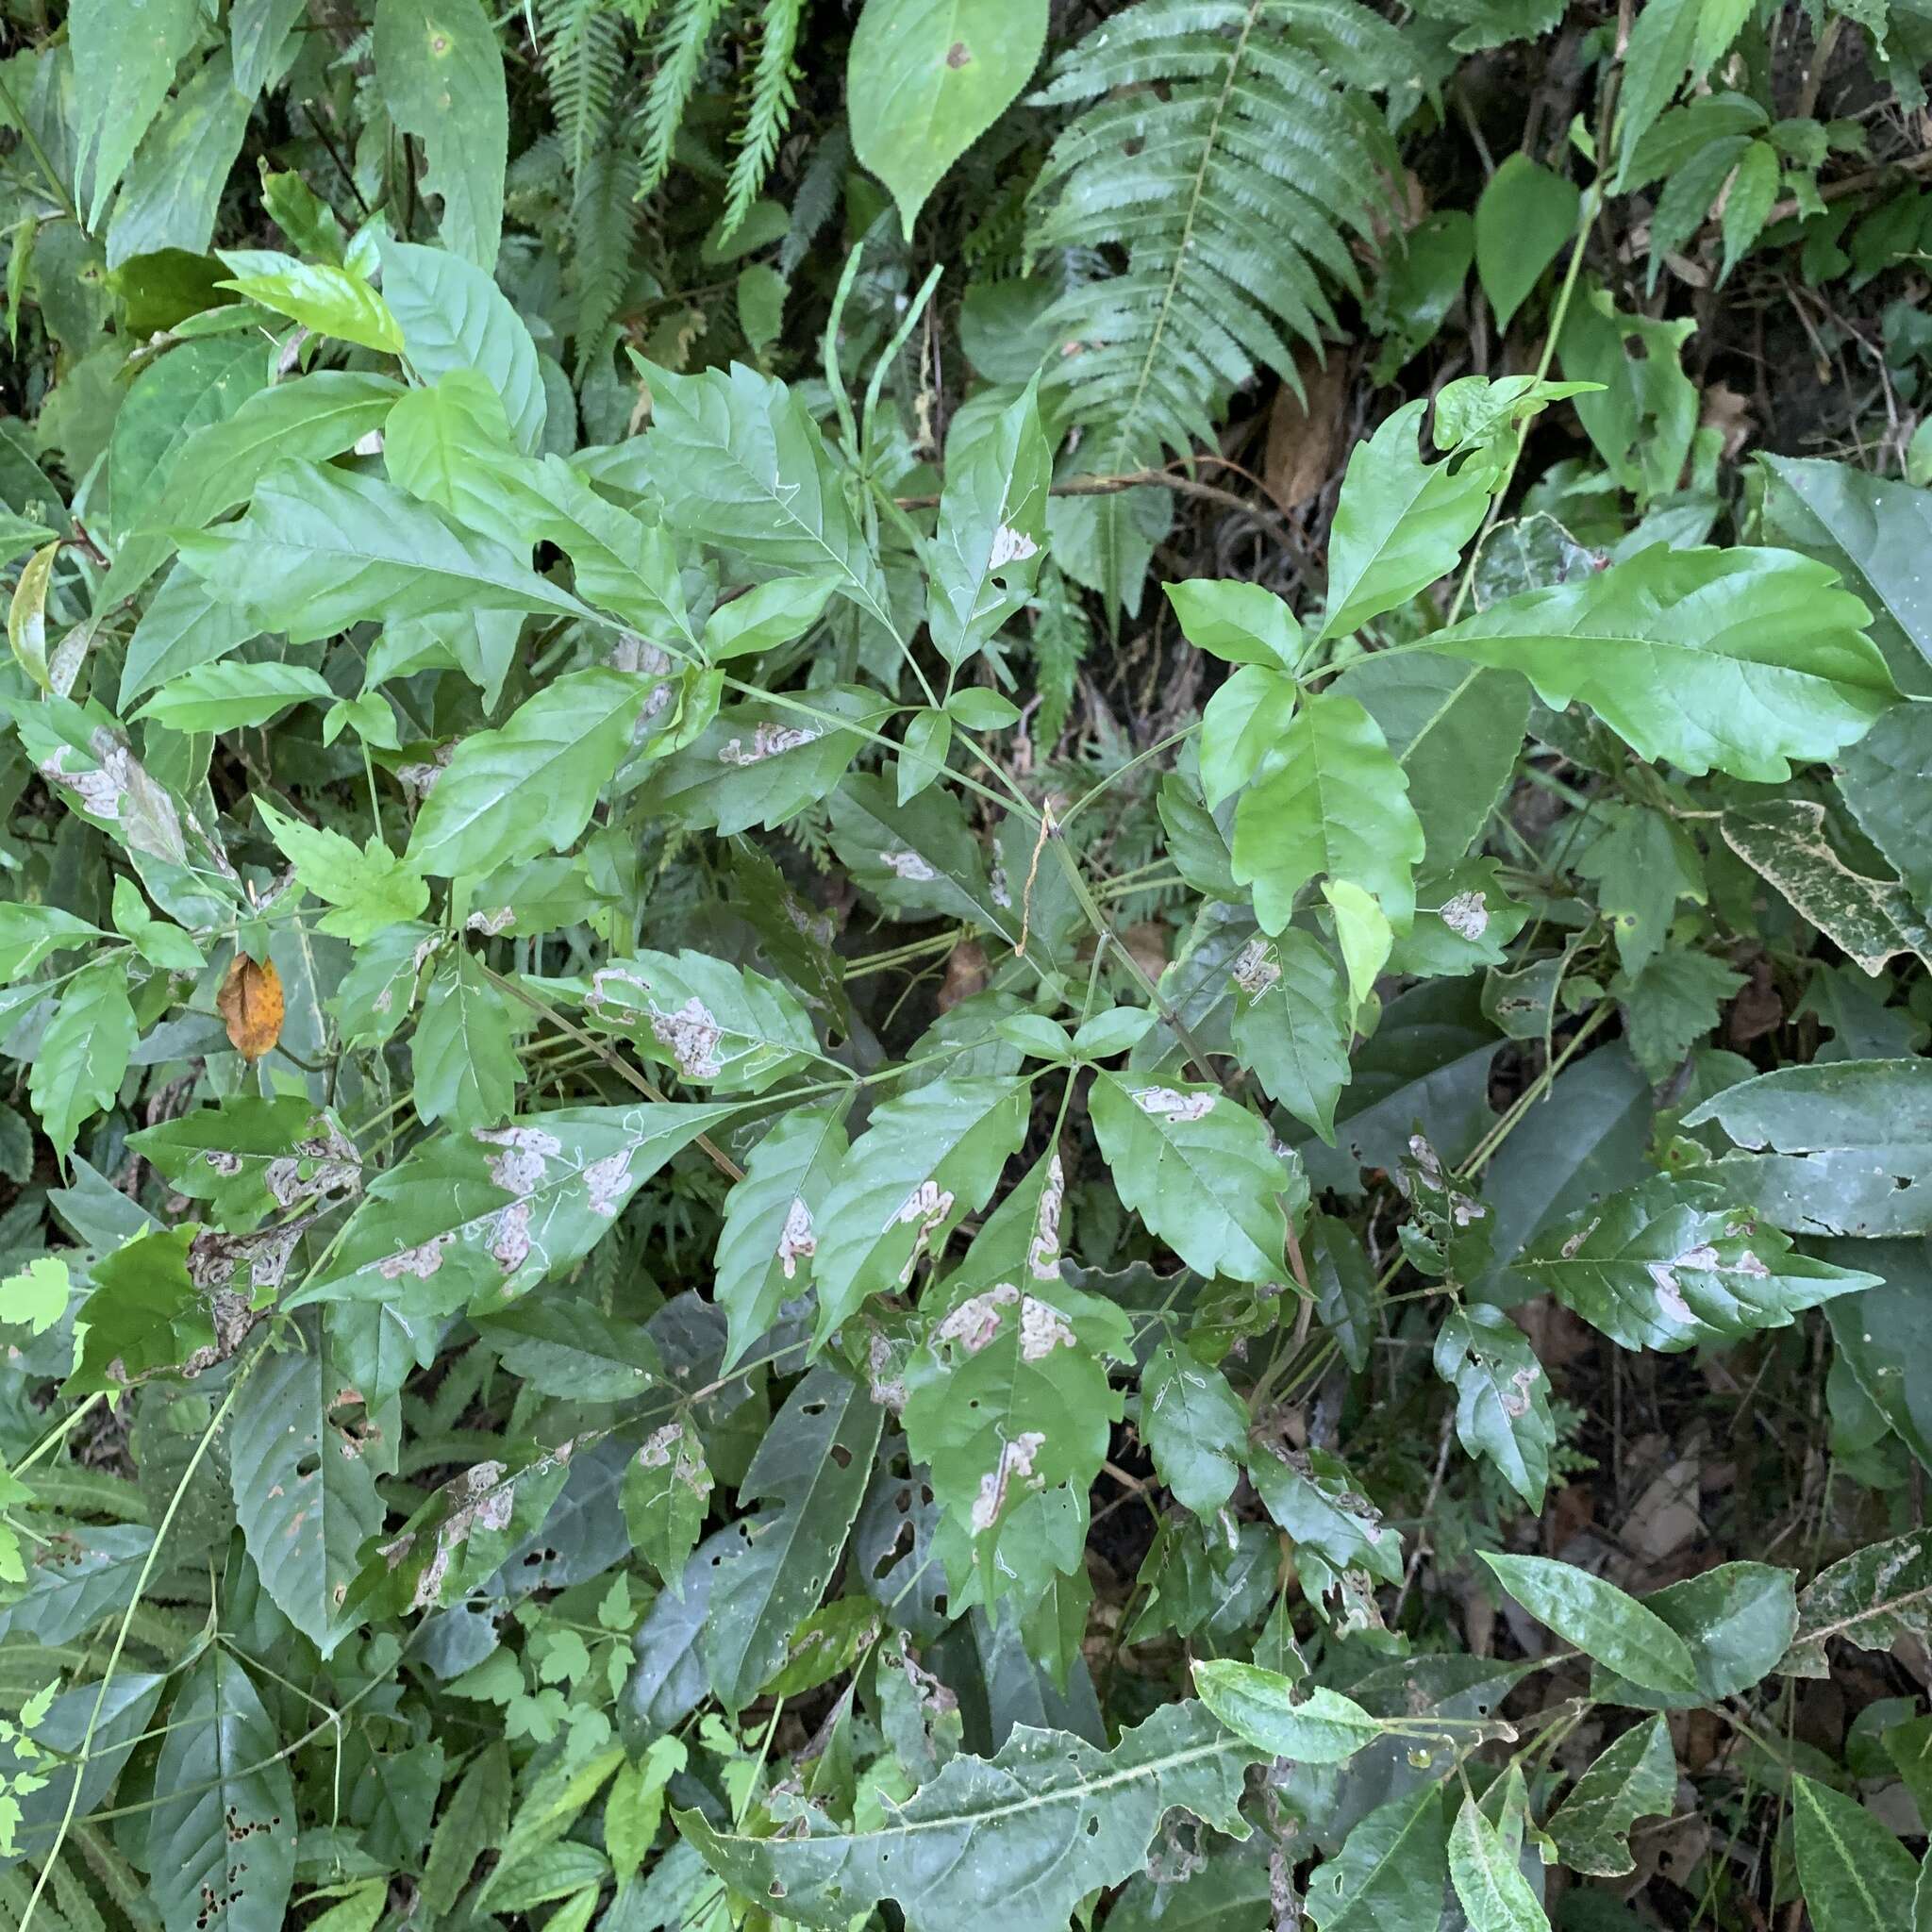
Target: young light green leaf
<point x="368" y="886"/>
<point x="1600" y="1619"/>
<point x="1523" y="219"/>
<point x="1242" y="726"/>
<point x="1334" y="804"/>
<point x="1322" y="1727"/>
<point x="1241" y="622"/>
<point x="329" y="300"/>
<point x="1401" y="523"/>
<point x="230" y="697"/>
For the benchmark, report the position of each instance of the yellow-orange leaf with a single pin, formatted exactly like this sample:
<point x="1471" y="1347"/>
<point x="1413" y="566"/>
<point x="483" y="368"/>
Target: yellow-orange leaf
<point x="250" y="1004"/>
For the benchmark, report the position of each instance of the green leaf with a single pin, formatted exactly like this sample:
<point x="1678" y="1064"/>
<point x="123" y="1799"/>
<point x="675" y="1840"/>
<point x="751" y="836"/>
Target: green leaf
<point x="1241" y="622"/>
<point x="813" y="1467"/>
<point x="439" y="67"/>
<point x="992" y="512"/>
<point x="1847" y="1151"/>
<point x="1887" y="780"/>
<point x="532" y="786"/>
<point x="1007" y="1395"/>
<point x="1035" y="1828"/>
<point x="454" y="316"/>
<point x="772" y="1220"/>
<point x="123" y="65"/>
<point x="1870" y="1598"/>
<point x="1201" y="1171"/>
<point x="319" y="549"/>
<point x="1502" y="1396"/>
<point x="463" y="1056"/>
<point x="666" y="1497"/>
<point x="1323" y="1727"/>
<point x="1196" y="1429"/>
<point x="928" y="1160"/>
<point x="1748" y="201"/>
<point x="473" y="1821"/>
<point x="483" y="1216"/>
<point x="144" y="1313"/>
<point x="1671" y="1264"/>
<point x="1784" y="841"/>
<point x="369" y="887"/>
<point x="88" y="1582"/>
<point x="1389" y="1875"/>
<point x="84" y="1052"/>
<point x="1600" y="1619"/>
<point x="1636" y="1778"/>
<point x="1315" y="1498"/>
<point x="1489" y="1885"/>
<point x="26" y="614"/>
<point x="1737" y="1621"/>
<point x="1739" y="659"/>
<point x="925" y="78"/>
<point x="230" y="697"/>
<point x="224" y="1826"/>
<point x="182" y="626"/>
<point x="717" y="1025"/>
<point x="29" y="934"/>
<point x="764" y="618"/>
<point x="762" y="763"/>
<point x="250" y="1155"/>
<point x="1854" y="1874"/>
<point x="1643" y="864"/>
<point x="174" y="189"/>
<point x="567" y="1347"/>
<point x="1242" y="726"/>
<point x="1401" y="523"/>
<point x="1334" y="804"/>
<point x="1523" y="219"/>
<point x="304" y="1495"/>
<point x="327" y="300"/>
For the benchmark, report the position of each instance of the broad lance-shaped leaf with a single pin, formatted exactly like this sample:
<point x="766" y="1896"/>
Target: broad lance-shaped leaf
<point x="482" y="1216"/>
<point x="1389" y="1875"/>
<point x="1201" y="1171"/>
<point x="717" y="1025"/>
<point x="1600" y="1619"/>
<point x="232" y="696"/>
<point x="223" y="1823"/>
<point x="1322" y="1727"/>
<point x="1784" y="841"/>
<point x="318" y="549"/>
<point x="1636" y="1778"/>
<point x="1870" y="1598"/>
<point x="463" y="1053"/>
<point x="77" y="1583"/>
<point x="84" y="1052"/>
<point x="1400" y="522"/>
<point x="1489" y="1885"/>
<point x="991" y="530"/>
<point x="928" y="1158"/>
<point x="1854" y="1874"/>
<point x="762" y="763"/>
<point x="1007" y="1395"/>
<point x="1292" y="1024"/>
<point x="565" y="1346"/>
<point x="1671" y="1263"/>
<point x="813" y="1467"/>
<point x="1738" y="660"/>
<point x="532" y="786"/>
<point x="772" y="1220"/>
<point x="1848" y="1146"/>
<point x="1736" y="1621"/>
<point x="1502" y="1396"/>
<point x="250" y="1155"/>
<point x="303" y="1496"/>
<point x="1332" y="803"/>
<point x="1021" y="1836"/>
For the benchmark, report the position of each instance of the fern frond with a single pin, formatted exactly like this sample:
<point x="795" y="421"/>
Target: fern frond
<point x="681" y="56"/>
<point x="772" y="97"/>
<point x="1230" y="154"/>
<point x="602" y="228"/>
<point x="582" y="46"/>
<point x="817" y="197"/>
